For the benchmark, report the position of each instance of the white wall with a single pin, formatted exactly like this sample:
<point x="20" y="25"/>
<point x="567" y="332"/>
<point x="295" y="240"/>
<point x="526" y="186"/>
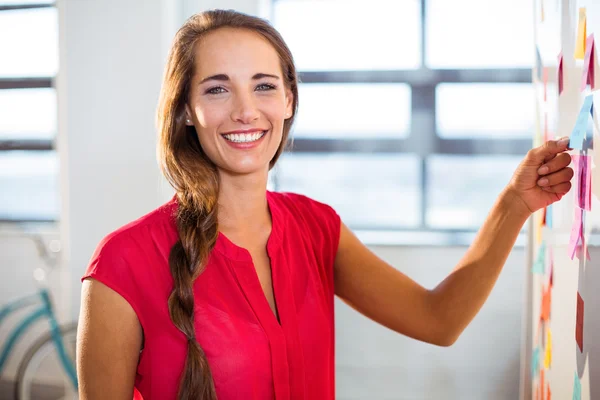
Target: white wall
<point x="111" y="67"/>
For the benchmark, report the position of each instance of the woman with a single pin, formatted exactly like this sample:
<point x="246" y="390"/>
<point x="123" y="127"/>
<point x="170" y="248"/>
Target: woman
<point x="227" y="290"/>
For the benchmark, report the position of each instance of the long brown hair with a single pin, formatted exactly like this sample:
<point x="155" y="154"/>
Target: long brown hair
<point x="194" y="177"/>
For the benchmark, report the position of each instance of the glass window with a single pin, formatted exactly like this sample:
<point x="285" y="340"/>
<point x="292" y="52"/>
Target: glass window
<point x="351" y="34"/>
<point x="344" y="111"/>
<point x="479" y="34"/>
<point x="368" y="191"/>
<point x="28" y="114"/>
<point x="480" y="110"/>
<point x="462" y="190"/>
<point x="29" y="42"/>
<point x="29" y="185"/>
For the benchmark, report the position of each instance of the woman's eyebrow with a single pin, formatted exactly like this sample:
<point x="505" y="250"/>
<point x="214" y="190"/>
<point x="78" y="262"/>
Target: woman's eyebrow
<point x="224" y="77"/>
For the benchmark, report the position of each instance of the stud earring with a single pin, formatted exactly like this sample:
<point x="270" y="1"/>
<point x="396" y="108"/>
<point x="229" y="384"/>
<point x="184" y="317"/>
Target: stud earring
<point x="188" y="121"/>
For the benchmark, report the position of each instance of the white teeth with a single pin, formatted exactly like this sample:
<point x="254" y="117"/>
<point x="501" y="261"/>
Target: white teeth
<point x="244" y="137"/>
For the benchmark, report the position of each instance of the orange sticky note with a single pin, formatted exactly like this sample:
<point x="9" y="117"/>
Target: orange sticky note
<point x="548" y="393"/>
<point x="546" y="302"/>
<point x="542" y="384"/>
<point x="581" y="35"/>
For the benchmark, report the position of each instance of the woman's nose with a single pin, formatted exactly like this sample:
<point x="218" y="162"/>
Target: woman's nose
<point x="245" y="110"/>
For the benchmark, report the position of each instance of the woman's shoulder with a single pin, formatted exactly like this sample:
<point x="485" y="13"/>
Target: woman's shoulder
<point x="297" y="200"/>
<point x="302" y="207"/>
<point x="157" y="225"/>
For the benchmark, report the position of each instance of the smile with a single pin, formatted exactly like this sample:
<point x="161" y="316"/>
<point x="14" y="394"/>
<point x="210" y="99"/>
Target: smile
<point x="245" y="137"/>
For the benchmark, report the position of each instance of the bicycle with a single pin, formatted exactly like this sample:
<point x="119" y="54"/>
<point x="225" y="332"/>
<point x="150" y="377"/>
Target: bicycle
<point x="49" y="364"/>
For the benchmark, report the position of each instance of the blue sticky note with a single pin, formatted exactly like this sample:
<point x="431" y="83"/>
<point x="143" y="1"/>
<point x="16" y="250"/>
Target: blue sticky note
<point x="577" y="388"/>
<point x="580" y="129"/>
<point x="535" y="362"/>
<point x="549" y="216"/>
<point x="539" y="266"/>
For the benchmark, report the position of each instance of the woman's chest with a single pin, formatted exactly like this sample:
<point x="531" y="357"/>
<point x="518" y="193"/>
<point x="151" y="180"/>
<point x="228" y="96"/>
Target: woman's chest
<point x="250" y="352"/>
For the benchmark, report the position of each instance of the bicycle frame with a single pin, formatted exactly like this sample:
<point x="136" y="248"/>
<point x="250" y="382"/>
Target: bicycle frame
<point x="44" y="310"/>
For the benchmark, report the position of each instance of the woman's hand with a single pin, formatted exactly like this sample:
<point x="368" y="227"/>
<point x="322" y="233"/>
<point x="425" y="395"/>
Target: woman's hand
<point x="543" y="177"/>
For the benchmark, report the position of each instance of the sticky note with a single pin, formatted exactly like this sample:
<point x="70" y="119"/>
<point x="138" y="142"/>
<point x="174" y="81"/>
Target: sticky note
<point x="582" y="168"/>
<point x="581" y="35"/>
<point x="549" y="216"/>
<point x="577" y="388"/>
<point x="535" y="362"/>
<point x="539" y="266"/>
<point x="579" y="323"/>
<point x="579" y="131"/>
<point x="588" y="64"/>
<point x="546" y="303"/>
<point x="551" y="268"/>
<point x="542" y="384"/>
<point x="548" y="393"/>
<point x="576" y="232"/>
<point x="538" y="63"/>
<point x="559" y="72"/>
<point x="548" y="355"/>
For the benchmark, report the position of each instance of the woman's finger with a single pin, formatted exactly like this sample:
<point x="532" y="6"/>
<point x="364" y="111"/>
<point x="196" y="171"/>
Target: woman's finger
<point x="561" y="188"/>
<point x="563" y="175"/>
<point x="556" y="164"/>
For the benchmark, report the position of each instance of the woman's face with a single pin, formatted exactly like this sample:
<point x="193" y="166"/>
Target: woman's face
<point x="238" y="101"/>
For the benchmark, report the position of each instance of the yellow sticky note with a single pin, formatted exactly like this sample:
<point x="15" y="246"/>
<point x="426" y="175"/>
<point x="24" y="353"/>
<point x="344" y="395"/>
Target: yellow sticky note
<point x="581" y="35"/>
<point x="548" y="355"/>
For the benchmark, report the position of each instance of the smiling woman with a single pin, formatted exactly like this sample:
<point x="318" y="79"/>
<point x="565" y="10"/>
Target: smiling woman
<point x="227" y="110"/>
<point x="227" y="291"/>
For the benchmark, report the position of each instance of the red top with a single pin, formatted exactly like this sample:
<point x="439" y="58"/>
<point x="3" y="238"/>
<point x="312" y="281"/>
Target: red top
<point x="251" y="354"/>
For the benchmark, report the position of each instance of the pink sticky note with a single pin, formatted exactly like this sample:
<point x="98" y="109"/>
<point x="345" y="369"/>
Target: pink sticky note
<point x="582" y="168"/>
<point x="587" y="192"/>
<point x="575" y="232"/>
<point x="559" y="70"/>
<point x="588" y="64"/>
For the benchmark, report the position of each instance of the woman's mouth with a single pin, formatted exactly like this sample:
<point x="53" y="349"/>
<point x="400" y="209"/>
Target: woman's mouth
<point x="244" y="137"/>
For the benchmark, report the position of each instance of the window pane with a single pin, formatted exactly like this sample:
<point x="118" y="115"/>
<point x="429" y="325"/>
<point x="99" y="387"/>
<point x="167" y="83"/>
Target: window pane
<point x="479" y="34"/>
<point x="368" y="191"/>
<point x="29" y="42"/>
<point x="351" y="34"/>
<point x="333" y="110"/>
<point x="462" y="189"/>
<point x="27" y="114"/>
<point x="471" y="110"/>
<point x="28" y="183"/>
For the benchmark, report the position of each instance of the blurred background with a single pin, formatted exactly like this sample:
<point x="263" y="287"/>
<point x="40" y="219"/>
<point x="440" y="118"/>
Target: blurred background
<point x="413" y="116"/>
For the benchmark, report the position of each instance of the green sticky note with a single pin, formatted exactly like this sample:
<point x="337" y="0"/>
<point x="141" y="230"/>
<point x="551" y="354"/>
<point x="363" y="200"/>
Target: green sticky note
<point x="539" y="266"/>
<point x="577" y="388"/>
<point x="535" y="362"/>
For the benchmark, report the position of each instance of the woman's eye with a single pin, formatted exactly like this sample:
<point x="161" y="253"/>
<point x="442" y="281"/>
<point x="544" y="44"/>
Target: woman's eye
<point x="215" y="90"/>
<point x="265" y="87"/>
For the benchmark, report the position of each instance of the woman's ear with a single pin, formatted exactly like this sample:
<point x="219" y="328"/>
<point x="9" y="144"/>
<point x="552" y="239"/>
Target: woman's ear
<point x="188" y="116"/>
<point x="289" y="103"/>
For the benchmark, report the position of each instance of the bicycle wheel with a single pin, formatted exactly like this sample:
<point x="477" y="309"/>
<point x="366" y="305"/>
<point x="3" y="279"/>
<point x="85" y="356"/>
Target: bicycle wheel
<point x="41" y="374"/>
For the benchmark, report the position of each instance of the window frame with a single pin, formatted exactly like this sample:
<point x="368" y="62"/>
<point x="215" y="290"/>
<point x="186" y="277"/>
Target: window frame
<point x="423" y="139"/>
<point x="26" y="83"/>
